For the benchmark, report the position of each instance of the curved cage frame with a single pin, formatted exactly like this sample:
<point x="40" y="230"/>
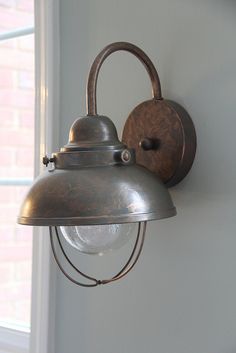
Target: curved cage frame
<point x="138" y="246"/>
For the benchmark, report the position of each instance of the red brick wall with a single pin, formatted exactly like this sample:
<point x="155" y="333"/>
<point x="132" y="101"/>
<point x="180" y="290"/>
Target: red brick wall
<point x="17" y="158"/>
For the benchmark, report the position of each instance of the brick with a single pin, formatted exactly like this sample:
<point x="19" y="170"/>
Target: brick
<point x="26" y="119"/>
<point x="20" y="192"/>
<point x="17" y="172"/>
<point x="7" y="157"/>
<point x="17" y="98"/>
<point x="11" y="19"/>
<point x="17" y="118"/>
<point x="7" y="272"/>
<point x="25" y="79"/>
<point x="10" y="172"/>
<point x="7" y="234"/>
<point x="26" y="43"/>
<point x="23" y="271"/>
<point x="7" y="195"/>
<point x="24" y="235"/>
<point x="8" y="212"/>
<point x="12" y="194"/>
<point x="10" y="138"/>
<point x="8" y="57"/>
<point x="26" y="61"/>
<point x="25" y="156"/>
<point x="15" y="253"/>
<point x="7" y="3"/>
<point x="11" y="43"/>
<point x="12" y="58"/>
<point x="22" y="311"/>
<point x="26" y="5"/>
<point x="15" y="291"/>
<point x="12" y="234"/>
<point x="7" y="78"/>
<point x="8" y="117"/>
<point x="7" y="310"/>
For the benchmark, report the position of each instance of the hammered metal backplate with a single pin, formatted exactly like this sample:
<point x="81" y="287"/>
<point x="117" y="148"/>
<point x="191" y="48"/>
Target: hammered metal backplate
<point x="168" y="124"/>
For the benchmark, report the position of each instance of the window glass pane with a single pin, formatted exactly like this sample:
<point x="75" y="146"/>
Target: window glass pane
<point x="16" y="173"/>
<point x="15" y="260"/>
<point x="15" y="14"/>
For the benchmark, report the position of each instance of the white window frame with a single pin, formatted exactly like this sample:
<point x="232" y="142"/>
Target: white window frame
<point x="47" y="54"/>
<point x="41" y="336"/>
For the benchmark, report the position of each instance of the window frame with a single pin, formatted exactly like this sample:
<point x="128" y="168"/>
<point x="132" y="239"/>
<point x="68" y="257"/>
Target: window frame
<point x="47" y="54"/>
<point x="40" y="339"/>
<point x="13" y="340"/>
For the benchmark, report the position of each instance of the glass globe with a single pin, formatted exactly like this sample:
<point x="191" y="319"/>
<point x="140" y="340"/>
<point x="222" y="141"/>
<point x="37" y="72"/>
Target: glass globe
<point x="98" y="239"/>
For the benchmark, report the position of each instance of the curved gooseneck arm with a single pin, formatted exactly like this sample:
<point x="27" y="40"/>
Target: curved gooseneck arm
<point x="95" y="68"/>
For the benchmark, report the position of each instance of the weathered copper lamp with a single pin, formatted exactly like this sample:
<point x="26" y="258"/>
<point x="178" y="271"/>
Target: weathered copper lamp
<point x="100" y="187"/>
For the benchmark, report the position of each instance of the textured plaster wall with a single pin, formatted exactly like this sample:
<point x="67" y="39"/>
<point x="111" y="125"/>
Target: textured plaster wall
<point x="180" y="298"/>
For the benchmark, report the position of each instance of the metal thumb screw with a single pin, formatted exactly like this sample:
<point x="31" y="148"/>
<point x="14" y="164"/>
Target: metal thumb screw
<point x="47" y="160"/>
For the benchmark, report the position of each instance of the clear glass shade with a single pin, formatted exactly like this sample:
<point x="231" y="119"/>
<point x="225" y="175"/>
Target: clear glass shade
<point x="98" y="239"/>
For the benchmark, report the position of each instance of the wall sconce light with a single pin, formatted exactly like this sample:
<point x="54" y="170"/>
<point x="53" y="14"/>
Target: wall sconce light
<point x="101" y="189"/>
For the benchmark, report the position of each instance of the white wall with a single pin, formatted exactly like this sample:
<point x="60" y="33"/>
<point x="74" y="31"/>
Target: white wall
<point x="180" y="298"/>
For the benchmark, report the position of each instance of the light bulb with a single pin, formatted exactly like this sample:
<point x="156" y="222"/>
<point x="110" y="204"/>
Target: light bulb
<point x="98" y="239"/>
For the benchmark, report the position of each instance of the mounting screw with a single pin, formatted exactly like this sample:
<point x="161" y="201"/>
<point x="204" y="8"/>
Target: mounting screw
<point x="125" y="156"/>
<point x="148" y="144"/>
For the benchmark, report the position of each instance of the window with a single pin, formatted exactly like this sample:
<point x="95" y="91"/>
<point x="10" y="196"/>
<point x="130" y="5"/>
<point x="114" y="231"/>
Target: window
<point x="16" y="37"/>
<point x="17" y="160"/>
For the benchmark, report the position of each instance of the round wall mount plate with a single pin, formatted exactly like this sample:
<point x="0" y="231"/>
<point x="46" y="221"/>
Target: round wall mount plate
<point x="164" y="138"/>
